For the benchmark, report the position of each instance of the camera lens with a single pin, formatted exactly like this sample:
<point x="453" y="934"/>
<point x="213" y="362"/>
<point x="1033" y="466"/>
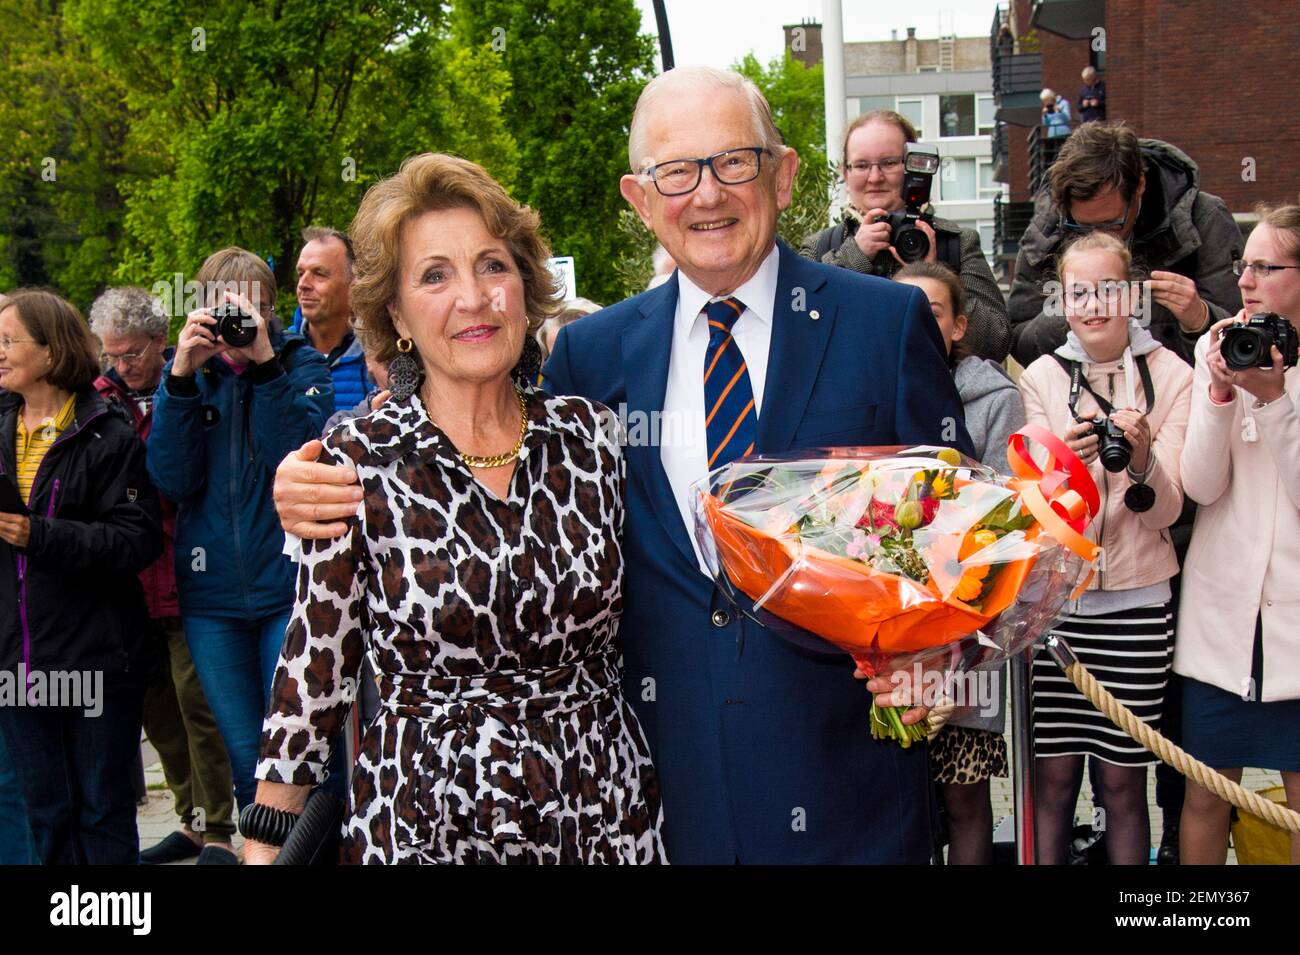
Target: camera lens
<point x="235" y="327"/>
<point x="1112" y="447"/>
<point x="912" y="244"/>
<point x="1243" y="347"/>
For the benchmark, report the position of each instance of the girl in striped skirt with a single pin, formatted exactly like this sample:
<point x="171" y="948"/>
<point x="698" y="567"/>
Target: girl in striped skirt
<point x="1109" y="370"/>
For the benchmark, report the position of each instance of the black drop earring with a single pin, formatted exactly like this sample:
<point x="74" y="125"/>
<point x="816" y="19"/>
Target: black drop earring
<point x="529" y="367"/>
<point x="403" y="371"/>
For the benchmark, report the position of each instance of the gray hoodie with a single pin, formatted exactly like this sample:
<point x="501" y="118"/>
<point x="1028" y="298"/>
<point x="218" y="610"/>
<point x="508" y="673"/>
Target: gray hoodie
<point x="993" y="408"/>
<point x="993" y="412"/>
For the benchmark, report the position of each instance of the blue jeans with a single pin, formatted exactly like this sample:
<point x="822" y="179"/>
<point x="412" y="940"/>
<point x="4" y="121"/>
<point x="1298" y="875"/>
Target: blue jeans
<point x="236" y="660"/>
<point x="74" y="773"/>
<point x="16" y="844"/>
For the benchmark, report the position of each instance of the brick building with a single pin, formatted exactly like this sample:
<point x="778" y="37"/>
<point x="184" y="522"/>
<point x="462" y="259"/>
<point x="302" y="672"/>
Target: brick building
<point x="1212" y="77"/>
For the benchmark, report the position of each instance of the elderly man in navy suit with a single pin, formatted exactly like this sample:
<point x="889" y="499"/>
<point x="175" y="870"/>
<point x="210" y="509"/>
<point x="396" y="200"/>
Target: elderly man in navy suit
<point x="763" y="746"/>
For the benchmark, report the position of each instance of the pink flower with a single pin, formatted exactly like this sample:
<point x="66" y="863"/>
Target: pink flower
<point x="929" y="507"/>
<point x="879" y="514"/>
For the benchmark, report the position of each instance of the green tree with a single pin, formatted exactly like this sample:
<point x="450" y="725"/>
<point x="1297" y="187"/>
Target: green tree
<point x="795" y="93"/>
<point x="64" y="123"/>
<point x="576" y="69"/>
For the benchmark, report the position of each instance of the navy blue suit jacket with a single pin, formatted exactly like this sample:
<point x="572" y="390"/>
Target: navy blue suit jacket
<point x="763" y="747"/>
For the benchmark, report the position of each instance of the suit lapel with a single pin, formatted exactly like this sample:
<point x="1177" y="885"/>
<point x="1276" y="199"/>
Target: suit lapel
<point x="798" y="346"/>
<point x="647" y="345"/>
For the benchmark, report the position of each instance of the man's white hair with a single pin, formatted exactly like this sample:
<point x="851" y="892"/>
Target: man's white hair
<point x="127" y="311"/>
<point x="677" y="81"/>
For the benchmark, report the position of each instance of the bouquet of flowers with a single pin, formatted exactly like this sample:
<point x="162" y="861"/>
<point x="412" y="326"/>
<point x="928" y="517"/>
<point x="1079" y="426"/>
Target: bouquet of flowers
<point x="906" y="558"/>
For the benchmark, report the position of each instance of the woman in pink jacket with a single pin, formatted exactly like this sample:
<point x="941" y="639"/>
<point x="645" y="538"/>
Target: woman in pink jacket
<point x="1110" y="374"/>
<point x="1238" y="636"/>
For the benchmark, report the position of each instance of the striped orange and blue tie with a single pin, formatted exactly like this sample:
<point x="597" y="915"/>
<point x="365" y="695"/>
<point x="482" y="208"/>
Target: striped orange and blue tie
<point x="731" y="420"/>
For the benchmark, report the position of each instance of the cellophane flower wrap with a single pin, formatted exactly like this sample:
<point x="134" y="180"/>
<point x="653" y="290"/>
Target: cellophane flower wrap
<point x="901" y="556"/>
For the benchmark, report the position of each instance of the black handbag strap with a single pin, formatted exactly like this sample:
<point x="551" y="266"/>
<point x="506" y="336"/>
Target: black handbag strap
<point x="1078" y="383"/>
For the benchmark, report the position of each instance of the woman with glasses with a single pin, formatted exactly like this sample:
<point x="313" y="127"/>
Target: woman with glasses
<point x="1110" y="378"/>
<point x="78" y="521"/>
<point x="873" y="174"/>
<point x="1147" y="194"/>
<point x="1238" y="640"/>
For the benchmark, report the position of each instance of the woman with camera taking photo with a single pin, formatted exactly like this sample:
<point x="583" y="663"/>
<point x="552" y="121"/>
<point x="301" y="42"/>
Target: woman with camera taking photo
<point x="1238" y="642"/>
<point x="1120" y="401"/>
<point x="874" y="148"/>
<point x="227" y="411"/>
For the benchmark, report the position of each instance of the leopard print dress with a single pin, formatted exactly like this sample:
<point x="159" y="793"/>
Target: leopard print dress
<point x="503" y="735"/>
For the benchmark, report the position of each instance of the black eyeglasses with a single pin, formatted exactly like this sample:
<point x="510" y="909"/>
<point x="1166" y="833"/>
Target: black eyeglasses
<point x="731" y="167"/>
<point x="1241" y="266"/>
<point x="1083" y="228"/>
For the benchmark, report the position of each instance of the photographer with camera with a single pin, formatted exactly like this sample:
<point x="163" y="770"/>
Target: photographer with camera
<point x="1120" y="401"/>
<point x="1147" y="193"/>
<point x="1238" y="644"/>
<point x="238" y="396"/>
<point x="887" y="224"/>
<point x="1056" y="113"/>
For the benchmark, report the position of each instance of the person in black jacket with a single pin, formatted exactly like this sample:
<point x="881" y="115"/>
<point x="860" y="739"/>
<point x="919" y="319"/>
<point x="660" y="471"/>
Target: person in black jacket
<point x="80" y="520"/>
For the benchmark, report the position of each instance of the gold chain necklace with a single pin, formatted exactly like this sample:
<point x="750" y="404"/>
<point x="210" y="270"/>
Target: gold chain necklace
<point x="499" y="460"/>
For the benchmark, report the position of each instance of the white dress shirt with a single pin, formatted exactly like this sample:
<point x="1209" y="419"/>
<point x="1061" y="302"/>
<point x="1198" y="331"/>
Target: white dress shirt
<point x="684" y="446"/>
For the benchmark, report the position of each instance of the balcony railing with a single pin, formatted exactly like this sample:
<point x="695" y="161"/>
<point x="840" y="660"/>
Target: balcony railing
<point x="1011" y="217"/>
<point x="1000" y="152"/>
<point x="1043" y="150"/>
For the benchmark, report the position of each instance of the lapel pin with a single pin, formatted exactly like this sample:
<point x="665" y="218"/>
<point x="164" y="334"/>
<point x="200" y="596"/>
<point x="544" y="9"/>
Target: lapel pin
<point x="814" y="314"/>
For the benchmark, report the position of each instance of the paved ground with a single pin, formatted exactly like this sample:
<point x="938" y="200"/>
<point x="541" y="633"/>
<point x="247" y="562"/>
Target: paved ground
<point x="158" y="818"/>
<point x="1004" y="802"/>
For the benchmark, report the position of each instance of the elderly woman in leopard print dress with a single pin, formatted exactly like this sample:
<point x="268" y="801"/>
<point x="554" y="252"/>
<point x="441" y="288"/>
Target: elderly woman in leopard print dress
<point x="482" y="574"/>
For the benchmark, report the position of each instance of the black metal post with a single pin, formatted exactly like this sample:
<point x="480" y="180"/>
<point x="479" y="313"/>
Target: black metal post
<point x="665" y="38"/>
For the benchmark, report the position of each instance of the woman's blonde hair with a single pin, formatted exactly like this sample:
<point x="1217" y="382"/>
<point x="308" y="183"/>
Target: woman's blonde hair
<point x="1286" y="220"/>
<point x="425" y="183"/>
<point x="886" y="116"/>
<point x="1096" y="242"/>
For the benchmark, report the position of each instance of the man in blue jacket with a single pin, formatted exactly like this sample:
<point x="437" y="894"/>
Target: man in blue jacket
<point x="224" y="417"/>
<point x="324" y="312"/>
<point x="763" y="748"/>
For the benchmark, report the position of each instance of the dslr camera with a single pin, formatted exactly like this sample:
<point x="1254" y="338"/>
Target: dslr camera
<point x="1112" y="447"/>
<point x="920" y="163"/>
<point x="1250" y="344"/>
<point x="235" y="326"/>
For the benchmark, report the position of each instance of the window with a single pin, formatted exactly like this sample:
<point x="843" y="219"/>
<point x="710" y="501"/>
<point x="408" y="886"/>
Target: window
<point x="957" y="179"/>
<point x="911" y="108"/>
<point x="984" y="114"/>
<point x="988" y="187"/>
<point x="867" y="103"/>
<point x="957" y="115"/>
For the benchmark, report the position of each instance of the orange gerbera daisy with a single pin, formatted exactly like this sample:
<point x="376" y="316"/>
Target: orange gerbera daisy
<point x="973" y="576"/>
